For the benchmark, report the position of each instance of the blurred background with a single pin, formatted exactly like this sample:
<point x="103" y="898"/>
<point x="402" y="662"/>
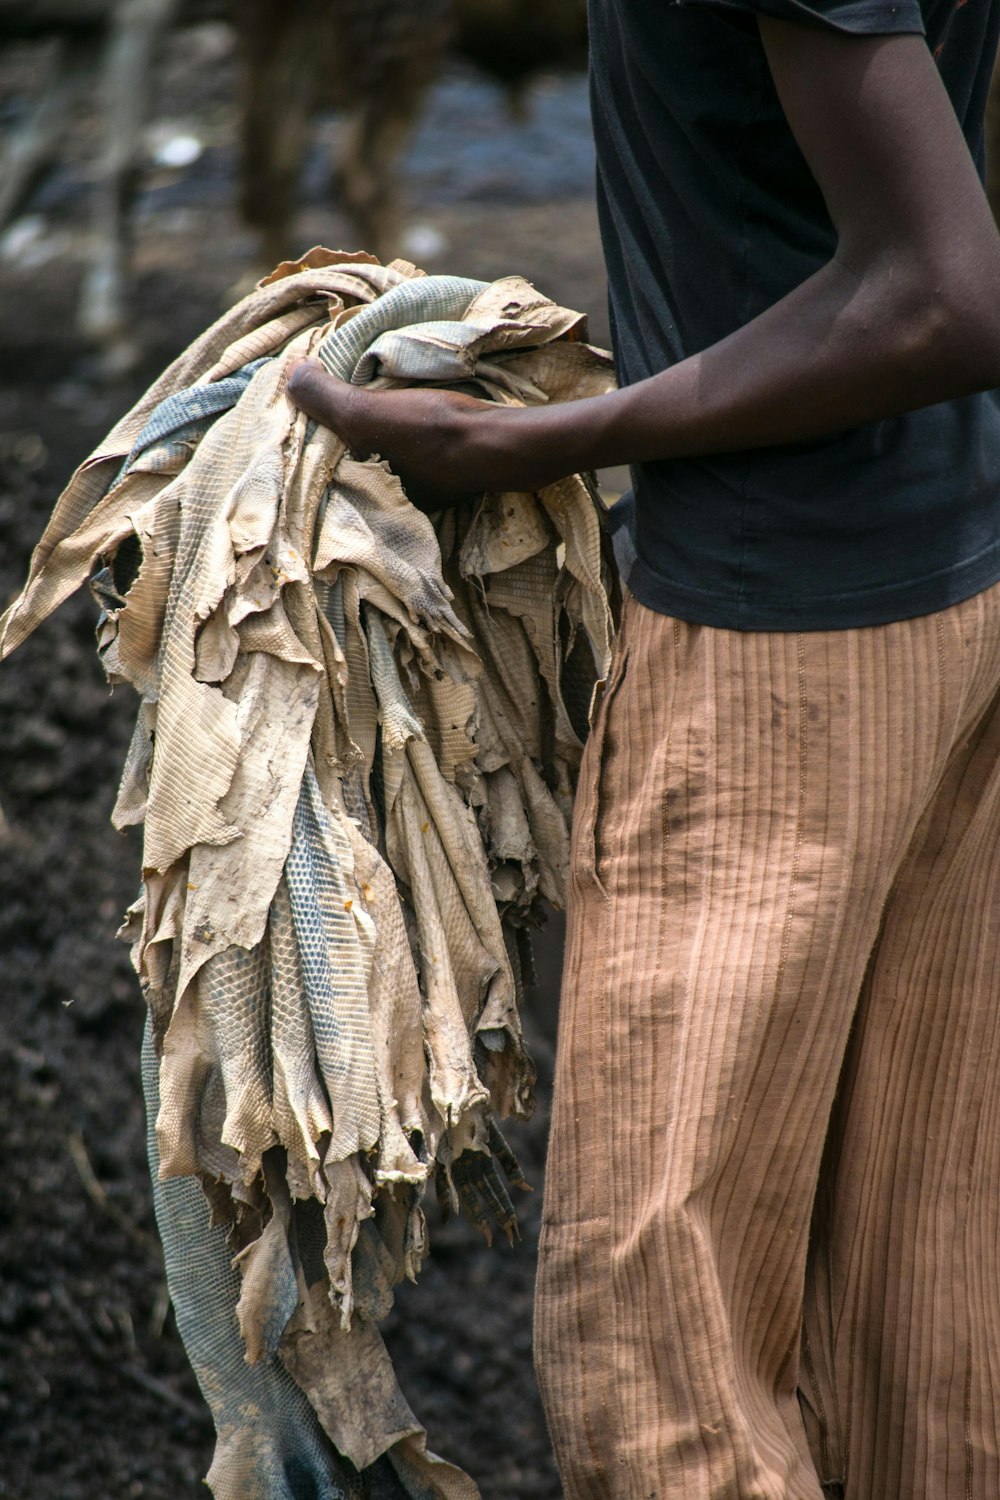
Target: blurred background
<point x="155" y="159"/>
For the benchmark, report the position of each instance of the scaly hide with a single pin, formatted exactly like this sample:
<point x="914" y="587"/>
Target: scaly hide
<point x="354" y="760"/>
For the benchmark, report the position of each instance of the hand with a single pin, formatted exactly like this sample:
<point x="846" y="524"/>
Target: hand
<point x="444" y="446"/>
<point x="481" y="1190"/>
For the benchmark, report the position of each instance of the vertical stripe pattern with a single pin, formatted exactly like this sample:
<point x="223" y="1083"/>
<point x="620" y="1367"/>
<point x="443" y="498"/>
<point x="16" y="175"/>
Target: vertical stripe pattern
<point x="770" y="1247"/>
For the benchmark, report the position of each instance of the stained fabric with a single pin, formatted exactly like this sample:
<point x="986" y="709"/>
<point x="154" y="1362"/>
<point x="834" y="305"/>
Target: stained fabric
<point x="778" y="1070"/>
<point x="354" y="760"/>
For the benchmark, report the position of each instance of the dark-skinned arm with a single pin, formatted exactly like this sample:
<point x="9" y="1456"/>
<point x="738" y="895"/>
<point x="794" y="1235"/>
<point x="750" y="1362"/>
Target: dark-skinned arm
<point x="906" y="314"/>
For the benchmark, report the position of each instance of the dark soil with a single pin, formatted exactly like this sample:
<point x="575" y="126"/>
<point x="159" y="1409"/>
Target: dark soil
<point x="96" y="1399"/>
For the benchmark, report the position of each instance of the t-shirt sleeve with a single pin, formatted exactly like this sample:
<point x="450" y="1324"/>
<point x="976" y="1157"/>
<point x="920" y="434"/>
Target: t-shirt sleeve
<point x="864" y="17"/>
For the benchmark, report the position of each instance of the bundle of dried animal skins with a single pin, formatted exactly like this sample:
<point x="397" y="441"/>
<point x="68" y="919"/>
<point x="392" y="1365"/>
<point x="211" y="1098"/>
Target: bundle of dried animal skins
<point x="354" y="759"/>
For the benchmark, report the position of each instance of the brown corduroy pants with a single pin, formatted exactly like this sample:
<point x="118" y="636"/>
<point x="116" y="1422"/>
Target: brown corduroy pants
<point x="770" y="1256"/>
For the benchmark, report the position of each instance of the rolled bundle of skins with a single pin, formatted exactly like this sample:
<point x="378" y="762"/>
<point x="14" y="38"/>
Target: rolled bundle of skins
<point x="354" y="760"/>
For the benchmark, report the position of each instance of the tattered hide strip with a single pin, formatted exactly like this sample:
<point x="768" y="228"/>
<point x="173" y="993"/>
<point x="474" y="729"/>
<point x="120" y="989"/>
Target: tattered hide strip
<point x="358" y="736"/>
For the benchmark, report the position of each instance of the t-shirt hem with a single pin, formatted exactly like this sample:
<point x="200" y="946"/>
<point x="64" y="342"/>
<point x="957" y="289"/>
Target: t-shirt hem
<point x="875" y="18"/>
<point x="882" y="606"/>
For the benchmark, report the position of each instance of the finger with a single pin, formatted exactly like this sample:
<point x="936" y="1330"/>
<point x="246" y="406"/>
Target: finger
<point x="473" y="1210"/>
<point x="505" y="1156"/>
<point x="497" y="1200"/>
<point x="480" y="1188"/>
<point x="319" y="394"/>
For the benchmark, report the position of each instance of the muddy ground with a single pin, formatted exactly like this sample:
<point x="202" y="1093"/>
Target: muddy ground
<point x="96" y="1399"/>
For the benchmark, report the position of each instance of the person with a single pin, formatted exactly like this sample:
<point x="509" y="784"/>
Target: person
<point x="769" y="1259"/>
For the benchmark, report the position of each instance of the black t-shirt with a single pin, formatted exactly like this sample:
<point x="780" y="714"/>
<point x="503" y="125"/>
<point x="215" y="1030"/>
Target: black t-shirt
<point x="709" y="215"/>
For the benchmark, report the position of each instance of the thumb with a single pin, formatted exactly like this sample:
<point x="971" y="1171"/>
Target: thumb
<point x="321" y="395"/>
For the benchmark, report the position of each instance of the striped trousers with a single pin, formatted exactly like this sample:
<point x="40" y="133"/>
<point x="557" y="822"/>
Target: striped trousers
<point x="770" y="1258"/>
